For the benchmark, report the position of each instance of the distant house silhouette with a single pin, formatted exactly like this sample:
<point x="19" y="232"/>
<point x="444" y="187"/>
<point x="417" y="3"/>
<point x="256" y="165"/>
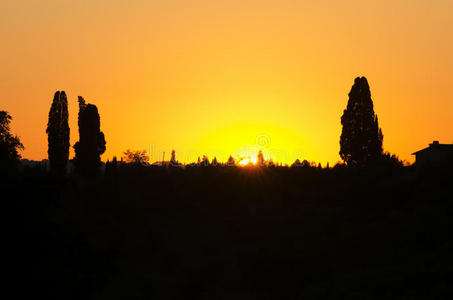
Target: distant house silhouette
<point x="435" y="154"/>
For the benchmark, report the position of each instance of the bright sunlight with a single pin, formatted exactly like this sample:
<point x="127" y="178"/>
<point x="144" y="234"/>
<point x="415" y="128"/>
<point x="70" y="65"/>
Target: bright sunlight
<point x="248" y="161"/>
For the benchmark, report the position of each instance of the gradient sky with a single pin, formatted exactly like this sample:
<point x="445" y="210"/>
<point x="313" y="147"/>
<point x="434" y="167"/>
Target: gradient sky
<point x="227" y="76"/>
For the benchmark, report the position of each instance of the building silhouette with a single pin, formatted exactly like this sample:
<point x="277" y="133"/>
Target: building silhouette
<point x="435" y="154"/>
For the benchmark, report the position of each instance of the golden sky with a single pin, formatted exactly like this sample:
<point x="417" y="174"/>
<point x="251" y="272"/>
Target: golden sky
<point x="228" y="76"/>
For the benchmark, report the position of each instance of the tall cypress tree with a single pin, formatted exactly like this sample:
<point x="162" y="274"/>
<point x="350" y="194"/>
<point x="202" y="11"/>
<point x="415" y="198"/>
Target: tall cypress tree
<point x="58" y="134"/>
<point x="91" y="144"/>
<point x="361" y="137"/>
<point x="173" y="161"/>
<point x="260" y="159"/>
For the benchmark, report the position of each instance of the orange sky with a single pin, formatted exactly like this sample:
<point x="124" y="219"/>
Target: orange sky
<point x="227" y="76"/>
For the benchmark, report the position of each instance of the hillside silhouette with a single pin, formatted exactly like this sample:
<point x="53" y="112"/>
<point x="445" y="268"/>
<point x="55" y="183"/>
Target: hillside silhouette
<point x="369" y="228"/>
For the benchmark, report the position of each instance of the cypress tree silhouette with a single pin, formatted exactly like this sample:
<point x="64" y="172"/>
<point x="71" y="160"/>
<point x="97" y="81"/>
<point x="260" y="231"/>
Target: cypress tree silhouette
<point x="260" y="159"/>
<point x="91" y="142"/>
<point x="173" y="161"/>
<point x="58" y="134"/>
<point x="361" y="137"/>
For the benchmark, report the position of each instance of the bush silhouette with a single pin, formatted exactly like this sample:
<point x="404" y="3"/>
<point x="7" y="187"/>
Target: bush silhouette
<point x="10" y="144"/>
<point x="136" y="157"/>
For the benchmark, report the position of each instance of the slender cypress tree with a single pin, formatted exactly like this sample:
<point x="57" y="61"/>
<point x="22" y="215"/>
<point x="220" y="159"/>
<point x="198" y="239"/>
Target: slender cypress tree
<point x="173" y="161"/>
<point x="91" y="144"/>
<point x="260" y="159"/>
<point x="58" y="134"/>
<point x="361" y="137"/>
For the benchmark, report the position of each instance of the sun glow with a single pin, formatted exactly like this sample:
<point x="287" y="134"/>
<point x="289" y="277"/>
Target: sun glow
<point x="248" y="161"/>
<point x="221" y="78"/>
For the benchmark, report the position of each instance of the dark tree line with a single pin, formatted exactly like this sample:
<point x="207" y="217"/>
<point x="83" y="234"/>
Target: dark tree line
<point x="360" y="141"/>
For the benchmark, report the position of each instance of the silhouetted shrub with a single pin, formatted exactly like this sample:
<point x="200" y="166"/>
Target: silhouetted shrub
<point x="136" y="157"/>
<point x="10" y="144"/>
<point x="390" y="160"/>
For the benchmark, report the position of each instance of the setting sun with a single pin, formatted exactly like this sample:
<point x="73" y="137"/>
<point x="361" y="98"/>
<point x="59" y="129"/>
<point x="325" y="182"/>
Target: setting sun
<point x="248" y="161"/>
<point x="244" y="161"/>
<point x="208" y="77"/>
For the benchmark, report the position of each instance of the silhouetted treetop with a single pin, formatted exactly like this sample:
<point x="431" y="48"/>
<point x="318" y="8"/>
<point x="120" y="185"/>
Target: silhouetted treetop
<point x="205" y="161"/>
<point x="296" y="163"/>
<point x="230" y="161"/>
<point x="260" y="159"/>
<point x="361" y="137"/>
<point x="136" y="157"/>
<point x="173" y="161"/>
<point x="10" y="144"/>
<point x="58" y="134"/>
<point x="91" y="144"/>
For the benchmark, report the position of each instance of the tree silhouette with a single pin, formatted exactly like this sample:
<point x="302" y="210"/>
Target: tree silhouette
<point x="205" y="161"/>
<point x="91" y="142"/>
<point x="271" y="163"/>
<point x="260" y="159"/>
<point x="305" y="164"/>
<point x="296" y="163"/>
<point x="10" y="144"/>
<point x="58" y="134"/>
<point x="136" y="157"/>
<point x="173" y="161"/>
<point x="230" y="161"/>
<point x="361" y="137"/>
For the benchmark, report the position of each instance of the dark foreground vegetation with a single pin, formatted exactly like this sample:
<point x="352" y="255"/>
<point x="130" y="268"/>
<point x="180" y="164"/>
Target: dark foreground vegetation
<point x="231" y="233"/>
<point x="369" y="229"/>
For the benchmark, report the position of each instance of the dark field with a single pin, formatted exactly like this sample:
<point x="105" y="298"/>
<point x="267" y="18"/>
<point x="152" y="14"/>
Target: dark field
<point x="231" y="233"/>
